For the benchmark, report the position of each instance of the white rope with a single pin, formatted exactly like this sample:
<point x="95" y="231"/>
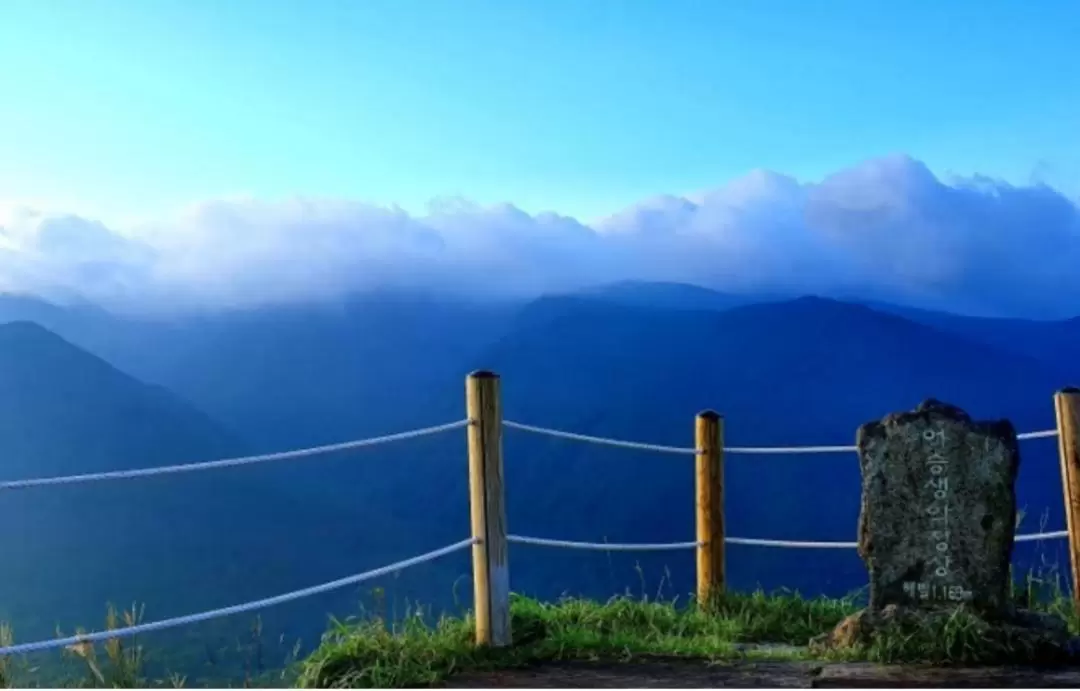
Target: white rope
<point x="23" y="648"/>
<point x="600" y="440"/>
<point x="425" y="431"/>
<point x="787" y="449"/>
<point x="851" y="545"/>
<point x="844" y="449"/>
<point x="229" y="462"/>
<point x="789" y="543"/>
<point x="1038" y="435"/>
<point x="727" y="449"/>
<point x="1034" y="537"/>
<point x="602" y="546"/>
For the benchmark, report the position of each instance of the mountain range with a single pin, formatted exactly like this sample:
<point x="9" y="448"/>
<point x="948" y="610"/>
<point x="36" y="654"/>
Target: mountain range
<point x="180" y="543"/>
<point x="84" y="390"/>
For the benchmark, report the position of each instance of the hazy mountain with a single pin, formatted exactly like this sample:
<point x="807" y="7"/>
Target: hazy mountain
<point x="805" y="371"/>
<point x="56" y="399"/>
<point x="1055" y="342"/>
<point x="301" y="374"/>
<point x="25" y="308"/>
<point x="179" y="543"/>
<point x="665" y="295"/>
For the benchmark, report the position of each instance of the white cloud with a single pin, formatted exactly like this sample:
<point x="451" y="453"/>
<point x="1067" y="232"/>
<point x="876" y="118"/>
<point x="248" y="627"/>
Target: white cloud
<point x="887" y="229"/>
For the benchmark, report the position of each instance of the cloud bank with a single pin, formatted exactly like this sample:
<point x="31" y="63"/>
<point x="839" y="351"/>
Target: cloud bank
<point x="886" y="229"/>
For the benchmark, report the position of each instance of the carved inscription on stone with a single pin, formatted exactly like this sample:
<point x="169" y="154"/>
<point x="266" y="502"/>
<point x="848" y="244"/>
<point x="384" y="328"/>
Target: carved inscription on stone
<point x="938" y="508"/>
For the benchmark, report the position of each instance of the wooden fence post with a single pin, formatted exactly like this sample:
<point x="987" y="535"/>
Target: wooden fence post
<point x="1067" y="405"/>
<point x="709" y="491"/>
<point x="491" y="577"/>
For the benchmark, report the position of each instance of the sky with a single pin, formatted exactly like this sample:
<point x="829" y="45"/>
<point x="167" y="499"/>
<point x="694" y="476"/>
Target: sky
<point x="269" y="133"/>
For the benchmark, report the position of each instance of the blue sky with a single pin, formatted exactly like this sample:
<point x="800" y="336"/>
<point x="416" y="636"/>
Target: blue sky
<point x="175" y="153"/>
<point x="584" y="107"/>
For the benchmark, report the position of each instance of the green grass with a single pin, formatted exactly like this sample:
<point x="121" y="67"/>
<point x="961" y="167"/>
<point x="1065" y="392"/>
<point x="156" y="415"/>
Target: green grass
<point x="370" y="653"/>
<point x="126" y="662"/>
<point x="955" y="638"/>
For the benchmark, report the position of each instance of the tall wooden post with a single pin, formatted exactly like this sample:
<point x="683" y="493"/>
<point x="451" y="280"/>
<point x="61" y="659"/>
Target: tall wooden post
<point x="491" y="577"/>
<point x="709" y="491"/>
<point x="1067" y="405"/>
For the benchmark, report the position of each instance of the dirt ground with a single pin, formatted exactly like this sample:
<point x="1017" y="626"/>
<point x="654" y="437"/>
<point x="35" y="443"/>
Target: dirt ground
<point x="689" y="674"/>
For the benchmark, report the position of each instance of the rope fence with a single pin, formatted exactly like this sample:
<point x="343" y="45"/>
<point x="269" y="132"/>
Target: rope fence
<point x="603" y="546"/>
<point x="598" y="440"/>
<point x="422" y="432"/>
<point x="489" y="540"/>
<point x="748" y="541"/>
<point x="233" y="462"/>
<point x="23" y="648"/>
<point x="1045" y="434"/>
<point x="659" y="448"/>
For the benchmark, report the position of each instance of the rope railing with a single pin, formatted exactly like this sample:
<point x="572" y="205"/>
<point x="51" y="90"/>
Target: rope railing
<point x="232" y="462"/>
<point x="1035" y="537"/>
<point x="1044" y="434"/>
<point x="603" y="546"/>
<point x="422" y="432"/>
<point x="574" y="436"/>
<point x="486" y="472"/>
<point x="788" y="450"/>
<point x="795" y="544"/>
<point x="798" y="544"/>
<point x="127" y="631"/>
<point x="659" y="448"/>
<point x="137" y="629"/>
<point x="749" y="541"/>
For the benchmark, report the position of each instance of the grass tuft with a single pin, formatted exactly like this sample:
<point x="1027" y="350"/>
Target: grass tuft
<point x="122" y="666"/>
<point x="373" y="654"/>
<point x="386" y="651"/>
<point x="959" y="637"/>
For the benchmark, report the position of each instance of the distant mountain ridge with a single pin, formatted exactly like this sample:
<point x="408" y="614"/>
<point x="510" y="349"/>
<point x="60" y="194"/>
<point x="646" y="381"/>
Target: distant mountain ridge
<point x="664" y="295"/>
<point x="619" y="361"/>
<point x="42" y="377"/>
<point x="800" y="372"/>
<point x="180" y="543"/>
<point x="1056" y="342"/>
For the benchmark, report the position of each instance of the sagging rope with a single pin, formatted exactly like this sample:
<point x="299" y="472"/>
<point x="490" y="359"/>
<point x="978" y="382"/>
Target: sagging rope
<point x="36" y="646"/>
<point x="231" y="462"/>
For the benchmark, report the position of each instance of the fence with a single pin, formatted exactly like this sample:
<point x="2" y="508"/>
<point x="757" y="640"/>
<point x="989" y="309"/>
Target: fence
<point x="490" y="540"/>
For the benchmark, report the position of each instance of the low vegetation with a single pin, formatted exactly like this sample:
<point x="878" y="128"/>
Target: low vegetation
<point x="370" y="651"/>
<point x="126" y="662"/>
<point x="371" y="654"/>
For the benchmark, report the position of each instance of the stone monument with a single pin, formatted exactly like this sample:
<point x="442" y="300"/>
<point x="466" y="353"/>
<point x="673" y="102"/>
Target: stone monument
<point x="936" y="526"/>
<point x="938" y="508"/>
